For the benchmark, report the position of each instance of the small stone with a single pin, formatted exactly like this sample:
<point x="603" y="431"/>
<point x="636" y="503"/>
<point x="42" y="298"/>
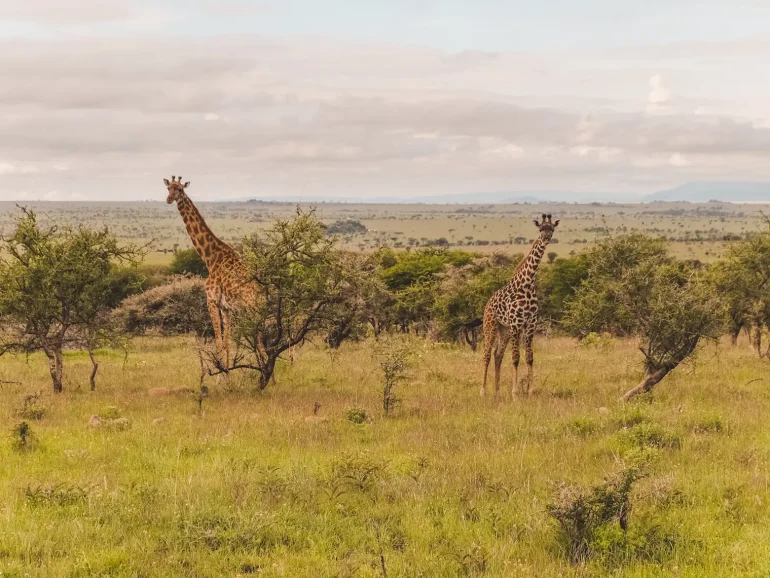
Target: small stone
<point x="158" y="421"/>
<point x="95" y="421"/>
<point x="604" y="410"/>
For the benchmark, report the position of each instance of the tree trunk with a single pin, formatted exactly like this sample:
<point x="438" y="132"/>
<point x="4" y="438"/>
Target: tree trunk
<point x="94" y="370"/>
<point x="757" y="341"/>
<point x="266" y="372"/>
<point x="471" y="338"/>
<point x="648" y="382"/>
<point x="734" y="334"/>
<point x="55" y="365"/>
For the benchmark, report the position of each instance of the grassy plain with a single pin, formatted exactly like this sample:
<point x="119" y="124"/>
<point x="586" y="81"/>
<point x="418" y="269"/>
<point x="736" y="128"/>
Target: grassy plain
<point x="695" y="231"/>
<point x="450" y="485"/>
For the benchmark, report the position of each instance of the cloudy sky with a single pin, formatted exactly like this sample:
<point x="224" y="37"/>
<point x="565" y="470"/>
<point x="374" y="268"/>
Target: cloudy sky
<point x="100" y="99"/>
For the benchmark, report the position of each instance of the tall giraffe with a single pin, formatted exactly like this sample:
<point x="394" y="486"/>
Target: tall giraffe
<point x="229" y="284"/>
<point x="511" y="312"/>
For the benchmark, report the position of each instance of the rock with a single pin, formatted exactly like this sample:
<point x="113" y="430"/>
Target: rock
<point x="95" y="421"/>
<point x="159" y="421"/>
<point x="158" y="391"/>
<point x="604" y="410"/>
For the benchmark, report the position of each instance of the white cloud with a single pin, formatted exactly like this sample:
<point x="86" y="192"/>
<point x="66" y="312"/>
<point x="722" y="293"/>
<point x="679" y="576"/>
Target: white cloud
<point x="80" y="11"/>
<point x="322" y="117"/>
<point x="678" y="160"/>
<point x="659" y="93"/>
<point x="9" y="168"/>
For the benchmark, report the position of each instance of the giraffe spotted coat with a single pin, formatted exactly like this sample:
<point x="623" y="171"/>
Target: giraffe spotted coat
<point x="511" y="312"/>
<point x="229" y="284"/>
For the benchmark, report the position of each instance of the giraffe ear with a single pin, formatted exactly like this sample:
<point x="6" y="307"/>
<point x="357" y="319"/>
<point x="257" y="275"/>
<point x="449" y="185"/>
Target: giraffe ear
<point x="165" y="181"/>
<point x="537" y="224"/>
<point x="556" y="224"/>
<point x="187" y="184"/>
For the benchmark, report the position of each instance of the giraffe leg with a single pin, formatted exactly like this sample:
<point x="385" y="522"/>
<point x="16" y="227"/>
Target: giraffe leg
<point x="502" y="343"/>
<point x="516" y="357"/>
<point x="490" y="335"/>
<point x="226" y="331"/>
<point x="529" y="335"/>
<point x="212" y="301"/>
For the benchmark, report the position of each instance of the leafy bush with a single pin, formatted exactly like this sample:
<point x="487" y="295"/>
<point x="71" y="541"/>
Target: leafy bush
<point x="583" y="515"/>
<point x="23" y="439"/>
<point x="631" y="417"/>
<point x="178" y="307"/>
<point x="645" y="541"/>
<point x="710" y="424"/>
<point x="125" y="281"/>
<point x="357" y="415"/>
<point x="558" y="282"/>
<point x="650" y="435"/>
<point x="463" y="294"/>
<point x="346" y="227"/>
<point x="32" y="407"/>
<point x="188" y="262"/>
<point x="595" y="341"/>
<point x="394" y="359"/>
<point x="583" y="426"/>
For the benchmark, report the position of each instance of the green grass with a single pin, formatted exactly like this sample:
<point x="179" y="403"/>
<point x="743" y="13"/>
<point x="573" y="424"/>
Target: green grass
<point x="451" y="485"/>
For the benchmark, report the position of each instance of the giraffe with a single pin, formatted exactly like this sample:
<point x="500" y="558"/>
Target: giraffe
<point x="511" y="312"/>
<point x="229" y="284"/>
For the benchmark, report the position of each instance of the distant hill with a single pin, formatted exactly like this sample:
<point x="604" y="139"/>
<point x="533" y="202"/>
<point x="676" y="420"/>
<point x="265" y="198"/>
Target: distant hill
<point x="477" y="198"/>
<point x="702" y="192"/>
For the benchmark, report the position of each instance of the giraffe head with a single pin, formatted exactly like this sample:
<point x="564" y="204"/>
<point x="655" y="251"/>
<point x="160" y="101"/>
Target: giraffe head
<point x="547" y="226"/>
<point x="175" y="189"/>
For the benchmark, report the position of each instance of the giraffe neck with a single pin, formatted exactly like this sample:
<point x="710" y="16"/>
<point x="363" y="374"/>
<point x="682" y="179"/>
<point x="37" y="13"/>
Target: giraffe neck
<point x="204" y="241"/>
<point x="525" y="272"/>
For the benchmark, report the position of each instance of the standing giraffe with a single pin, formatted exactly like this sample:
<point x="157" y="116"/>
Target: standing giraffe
<point x="228" y="284"/>
<point x="511" y="312"/>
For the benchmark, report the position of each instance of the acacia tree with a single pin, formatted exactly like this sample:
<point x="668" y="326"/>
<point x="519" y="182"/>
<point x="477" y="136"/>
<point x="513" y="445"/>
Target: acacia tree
<point x="304" y="281"/>
<point x="743" y="281"/>
<point x="669" y="306"/>
<point x="353" y="313"/>
<point x="463" y="294"/>
<point x="55" y="288"/>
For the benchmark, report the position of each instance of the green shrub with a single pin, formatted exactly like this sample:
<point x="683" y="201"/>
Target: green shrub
<point x="23" y="439"/>
<point x="32" y="407"/>
<point x="357" y="415"/>
<point x="645" y="541"/>
<point x="583" y="426"/>
<point x="631" y="417"/>
<point x="706" y="425"/>
<point x="650" y="435"/>
<point x="584" y="514"/>
<point x="188" y="262"/>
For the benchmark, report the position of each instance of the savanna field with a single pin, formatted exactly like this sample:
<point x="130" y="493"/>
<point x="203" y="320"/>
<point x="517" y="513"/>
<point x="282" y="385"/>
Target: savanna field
<point x="244" y="483"/>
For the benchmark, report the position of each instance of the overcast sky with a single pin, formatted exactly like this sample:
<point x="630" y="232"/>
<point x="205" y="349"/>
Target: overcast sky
<point x="100" y="99"/>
